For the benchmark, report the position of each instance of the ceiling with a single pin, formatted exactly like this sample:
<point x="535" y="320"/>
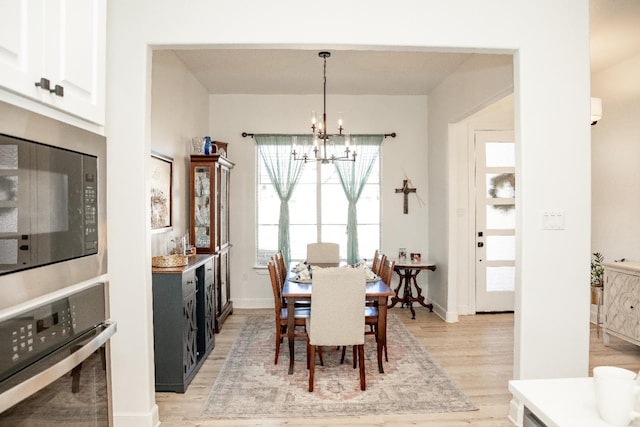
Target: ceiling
<point x="615" y="36"/>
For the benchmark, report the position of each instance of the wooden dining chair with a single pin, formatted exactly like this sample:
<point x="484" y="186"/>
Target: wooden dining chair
<point x="386" y="270"/>
<point x="281" y="312"/>
<point x="371" y="311"/>
<point x="282" y="268"/>
<point x="378" y="259"/>
<point x="282" y="273"/>
<point x="336" y="318"/>
<point x="323" y="254"/>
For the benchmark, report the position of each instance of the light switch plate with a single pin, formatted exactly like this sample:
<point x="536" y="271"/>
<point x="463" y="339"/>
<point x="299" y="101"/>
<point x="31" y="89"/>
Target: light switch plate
<point x="553" y="220"/>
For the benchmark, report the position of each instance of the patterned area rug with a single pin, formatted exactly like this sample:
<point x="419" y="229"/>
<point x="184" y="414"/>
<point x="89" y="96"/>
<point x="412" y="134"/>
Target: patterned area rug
<point x="251" y="386"/>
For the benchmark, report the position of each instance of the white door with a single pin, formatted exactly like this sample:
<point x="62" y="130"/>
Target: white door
<point x="495" y="242"/>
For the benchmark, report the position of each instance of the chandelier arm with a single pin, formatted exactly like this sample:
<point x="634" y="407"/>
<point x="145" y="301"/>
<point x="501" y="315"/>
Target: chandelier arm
<point x="320" y="152"/>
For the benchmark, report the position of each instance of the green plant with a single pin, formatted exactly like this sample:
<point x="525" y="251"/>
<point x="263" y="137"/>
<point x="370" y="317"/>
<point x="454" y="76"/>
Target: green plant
<point x="597" y="269"/>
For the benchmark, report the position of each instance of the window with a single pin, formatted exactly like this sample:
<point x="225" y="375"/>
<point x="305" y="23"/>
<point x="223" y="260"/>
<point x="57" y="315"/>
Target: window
<point x="317" y="212"/>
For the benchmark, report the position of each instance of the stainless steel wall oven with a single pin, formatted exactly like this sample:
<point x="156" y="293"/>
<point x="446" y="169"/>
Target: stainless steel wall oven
<point x="54" y="313"/>
<point x="53" y="362"/>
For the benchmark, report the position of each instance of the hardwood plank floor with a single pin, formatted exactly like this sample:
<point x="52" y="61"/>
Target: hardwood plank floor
<point x="476" y="352"/>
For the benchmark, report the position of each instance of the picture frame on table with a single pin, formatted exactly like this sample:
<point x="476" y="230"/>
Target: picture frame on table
<point x="161" y="192"/>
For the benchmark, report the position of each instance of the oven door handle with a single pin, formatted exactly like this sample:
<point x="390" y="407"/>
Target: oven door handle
<point x="37" y="382"/>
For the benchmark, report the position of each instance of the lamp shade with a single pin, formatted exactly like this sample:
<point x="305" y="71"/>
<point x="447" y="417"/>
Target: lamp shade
<point x="596" y="110"/>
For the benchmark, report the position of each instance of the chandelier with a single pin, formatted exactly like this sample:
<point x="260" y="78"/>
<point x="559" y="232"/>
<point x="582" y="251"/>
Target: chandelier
<point x="320" y="135"/>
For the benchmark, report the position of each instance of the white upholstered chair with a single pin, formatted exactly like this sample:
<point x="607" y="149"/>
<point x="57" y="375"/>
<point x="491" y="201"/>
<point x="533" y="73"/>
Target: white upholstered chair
<point x="323" y="254"/>
<point x="337" y="314"/>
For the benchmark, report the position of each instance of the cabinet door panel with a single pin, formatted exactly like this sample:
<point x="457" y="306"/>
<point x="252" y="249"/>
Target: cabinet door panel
<point x="21" y="35"/>
<point x="621" y="304"/>
<point x="190" y="351"/>
<point x="75" y="56"/>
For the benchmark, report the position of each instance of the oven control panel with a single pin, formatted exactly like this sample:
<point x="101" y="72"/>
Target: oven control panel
<point x="34" y="333"/>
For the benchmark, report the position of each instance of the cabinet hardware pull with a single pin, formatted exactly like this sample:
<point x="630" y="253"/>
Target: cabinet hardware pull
<point x="43" y="83"/>
<point x="58" y="90"/>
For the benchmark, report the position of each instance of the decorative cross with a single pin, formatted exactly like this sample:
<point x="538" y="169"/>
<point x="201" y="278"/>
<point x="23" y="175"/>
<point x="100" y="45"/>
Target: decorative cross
<point x="406" y="190"/>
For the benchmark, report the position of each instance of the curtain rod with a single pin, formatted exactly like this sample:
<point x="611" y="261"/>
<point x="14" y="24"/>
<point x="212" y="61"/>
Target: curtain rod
<point x="392" y="134"/>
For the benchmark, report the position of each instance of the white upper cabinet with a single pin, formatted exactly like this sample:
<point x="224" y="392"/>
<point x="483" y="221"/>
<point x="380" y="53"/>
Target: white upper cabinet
<point x="53" y="52"/>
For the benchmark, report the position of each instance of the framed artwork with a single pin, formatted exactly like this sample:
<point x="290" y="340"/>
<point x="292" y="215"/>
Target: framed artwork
<point x="160" y="180"/>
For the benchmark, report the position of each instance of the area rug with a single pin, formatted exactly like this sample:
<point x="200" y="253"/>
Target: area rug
<point x="251" y="386"/>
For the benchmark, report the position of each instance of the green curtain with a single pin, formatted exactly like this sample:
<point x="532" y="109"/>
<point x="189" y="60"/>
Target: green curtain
<point x="353" y="176"/>
<point x="284" y="172"/>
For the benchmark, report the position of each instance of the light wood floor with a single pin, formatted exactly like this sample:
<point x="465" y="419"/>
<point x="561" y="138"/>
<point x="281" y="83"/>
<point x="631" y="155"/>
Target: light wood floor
<point x="476" y="352"/>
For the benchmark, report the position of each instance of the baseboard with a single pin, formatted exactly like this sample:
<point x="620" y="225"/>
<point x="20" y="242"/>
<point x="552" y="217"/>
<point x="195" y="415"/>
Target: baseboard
<point x="516" y="412"/>
<point x="253" y="303"/>
<point x="441" y="312"/>
<point x="151" y="419"/>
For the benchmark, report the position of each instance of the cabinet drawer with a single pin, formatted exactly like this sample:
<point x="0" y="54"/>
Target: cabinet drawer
<point x="188" y="282"/>
<point x="208" y="272"/>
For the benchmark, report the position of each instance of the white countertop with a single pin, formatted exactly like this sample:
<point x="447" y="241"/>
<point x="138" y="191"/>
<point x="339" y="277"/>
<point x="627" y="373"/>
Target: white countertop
<point x="561" y="402"/>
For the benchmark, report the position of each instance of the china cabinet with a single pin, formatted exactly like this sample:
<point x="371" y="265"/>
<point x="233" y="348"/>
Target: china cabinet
<point x="209" y="220"/>
<point x="622" y="301"/>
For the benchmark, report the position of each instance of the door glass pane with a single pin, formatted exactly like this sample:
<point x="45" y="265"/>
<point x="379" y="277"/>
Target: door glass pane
<point x="501" y="185"/>
<point x="501" y="217"/>
<point x="8" y="220"/>
<point x="501" y="279"/>
<point x="500" y="154"/>
<point x="501" y="248"/>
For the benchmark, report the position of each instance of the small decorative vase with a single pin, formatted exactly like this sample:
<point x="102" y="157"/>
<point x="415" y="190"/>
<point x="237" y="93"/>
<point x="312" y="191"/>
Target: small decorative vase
<point x="207" y="145"/>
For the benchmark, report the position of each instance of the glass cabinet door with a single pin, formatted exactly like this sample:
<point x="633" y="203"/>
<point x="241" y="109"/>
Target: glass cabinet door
<point x="224" y="202"/>
<point x="202" y="207"/>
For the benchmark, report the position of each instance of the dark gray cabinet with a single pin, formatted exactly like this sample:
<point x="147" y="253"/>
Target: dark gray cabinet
<point x="183" y="321"/>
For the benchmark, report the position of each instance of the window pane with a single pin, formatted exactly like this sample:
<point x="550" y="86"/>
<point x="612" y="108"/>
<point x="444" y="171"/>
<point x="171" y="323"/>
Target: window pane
<point x="369" y="206"/>
<point x="301" y="235"/>
<point x="501" y="185"/>
<point x="368" y="240"/>
<point x="501" y="217"/>
<point x="500" y="154"/>
<point x="501" y="248"/>
<point x="501" y="279"/>
<point x="269" y="204"/>
<point x="303" y="212"/>
<point x="334" y="204"/>
<point x="302" y="205"/>
<point x="336" y="234"/>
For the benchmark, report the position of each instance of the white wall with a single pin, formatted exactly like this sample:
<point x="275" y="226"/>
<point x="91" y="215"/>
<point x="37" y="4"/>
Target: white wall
<point x="405" y="154"/>
<point x="477" y="83"/>
<point x="553" y="65"/>
<point x="179" y="111"/>
<point x="616" y="172"/>
<point x="462" y="259"/>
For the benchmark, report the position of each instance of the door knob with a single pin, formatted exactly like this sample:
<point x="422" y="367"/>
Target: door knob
<point x="480" y="244"/>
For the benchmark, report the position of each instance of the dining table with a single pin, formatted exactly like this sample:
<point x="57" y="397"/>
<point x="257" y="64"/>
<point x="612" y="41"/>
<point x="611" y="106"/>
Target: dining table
<point x="293" y="291"/>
